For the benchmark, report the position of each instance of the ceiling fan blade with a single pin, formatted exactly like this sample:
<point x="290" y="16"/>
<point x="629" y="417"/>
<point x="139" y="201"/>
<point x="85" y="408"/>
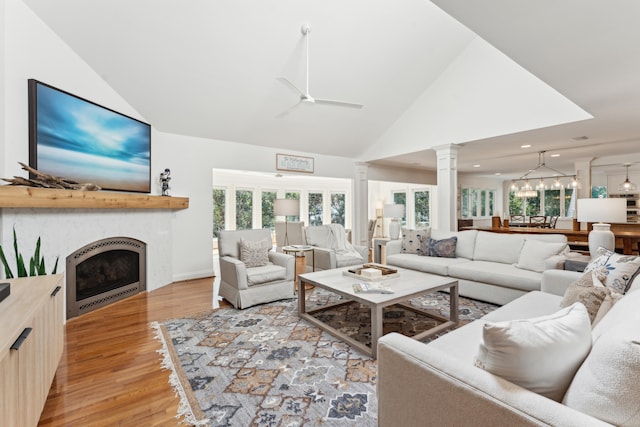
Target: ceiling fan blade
<point x="287" y="82"/>
<point x="338" y="103"/>
<point x="288" y="110"/>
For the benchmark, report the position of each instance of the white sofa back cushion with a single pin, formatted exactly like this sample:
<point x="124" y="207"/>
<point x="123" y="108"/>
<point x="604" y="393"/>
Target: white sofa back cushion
<point x="466" y="241"/>
<point x="498" y="247"/>
<point x="606" y="386"/>
<point x="535" y="253"/>
<point x="541" y="354"/>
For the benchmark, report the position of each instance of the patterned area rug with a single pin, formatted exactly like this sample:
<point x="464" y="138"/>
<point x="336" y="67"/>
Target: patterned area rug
<point x="263" y="366"/>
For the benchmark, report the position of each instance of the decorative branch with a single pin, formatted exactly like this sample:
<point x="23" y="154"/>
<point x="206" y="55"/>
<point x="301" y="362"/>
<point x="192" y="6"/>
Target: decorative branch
<point x="44" y="180"/>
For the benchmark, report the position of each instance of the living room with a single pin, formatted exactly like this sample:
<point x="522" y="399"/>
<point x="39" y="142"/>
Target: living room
<point x="32" y="48"/>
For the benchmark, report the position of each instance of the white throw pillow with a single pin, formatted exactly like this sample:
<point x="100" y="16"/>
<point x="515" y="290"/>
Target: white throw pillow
<point x="534" y="254"/>
<point x="540" y="354"/>
<point x="607" y="385"/>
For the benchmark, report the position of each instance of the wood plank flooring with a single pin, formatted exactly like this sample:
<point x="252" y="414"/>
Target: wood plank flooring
<point x="110" y="372"/>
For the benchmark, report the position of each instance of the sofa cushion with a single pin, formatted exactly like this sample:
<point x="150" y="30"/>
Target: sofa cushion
<point x="265" y="274"/>
<point x="624" y="311"/>
<point x="466" y="240"/>
<point x="497" y="274"/>
<point x="411" y="240"/>
<point x="426" y="264"/>
<point x="498" y="247"/>
<point x="535" y="253"/>
<point x="621" y="269"/>
<point x="255" y="253"/>
<point x="540" y="354"/>
<point x="588" y="290"/>
<point x="444" y="248"/>
<point x="606" y="386"/>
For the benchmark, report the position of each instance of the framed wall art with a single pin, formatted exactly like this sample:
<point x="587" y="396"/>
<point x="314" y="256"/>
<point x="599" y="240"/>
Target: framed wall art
<point x="291" y="163"/>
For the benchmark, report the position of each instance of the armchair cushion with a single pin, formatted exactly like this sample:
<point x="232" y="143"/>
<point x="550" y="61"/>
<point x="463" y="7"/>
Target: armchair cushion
<point x="254" y="253"/>
<point x="265" y="274"/>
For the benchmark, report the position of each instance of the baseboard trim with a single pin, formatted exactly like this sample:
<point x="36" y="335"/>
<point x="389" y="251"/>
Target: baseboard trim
<point x="193" y="275"/>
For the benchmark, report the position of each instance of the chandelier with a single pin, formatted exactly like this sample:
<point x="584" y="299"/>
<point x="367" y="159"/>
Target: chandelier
<point x="523" y="188"/>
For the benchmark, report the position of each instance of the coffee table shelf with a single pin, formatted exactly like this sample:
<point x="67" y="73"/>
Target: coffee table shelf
<point x="409" y="284"/>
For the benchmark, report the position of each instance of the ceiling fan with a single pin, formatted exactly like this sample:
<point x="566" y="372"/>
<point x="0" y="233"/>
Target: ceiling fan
<point x="305" y="96"/>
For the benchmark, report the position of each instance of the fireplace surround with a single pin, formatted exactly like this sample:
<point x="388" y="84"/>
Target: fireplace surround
<point x="103" y="272"/>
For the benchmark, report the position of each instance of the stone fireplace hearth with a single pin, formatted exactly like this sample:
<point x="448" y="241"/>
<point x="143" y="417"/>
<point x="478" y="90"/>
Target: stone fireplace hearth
<point x="104" y="272"/>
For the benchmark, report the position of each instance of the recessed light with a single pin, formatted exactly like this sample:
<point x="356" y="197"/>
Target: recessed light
<point x="498" y="173"/>
<point x="555" y="155"/>
<point x="476" y="166"/>
<point x="580" y="138"/>
<point x="525" y="146"/>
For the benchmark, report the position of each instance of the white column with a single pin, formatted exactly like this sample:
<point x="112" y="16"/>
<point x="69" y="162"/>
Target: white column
<point x="360" y="205"/>
<point x="447" y="209"/>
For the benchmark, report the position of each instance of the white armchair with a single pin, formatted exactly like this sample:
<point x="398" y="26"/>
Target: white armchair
<point x="243" y="284"/>
<point x="331" y="248"/>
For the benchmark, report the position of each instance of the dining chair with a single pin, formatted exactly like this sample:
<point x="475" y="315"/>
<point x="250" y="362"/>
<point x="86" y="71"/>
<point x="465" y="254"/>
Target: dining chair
<point x="553" y="220"/>
<point x="539" y="221"/>
<point x="516" y="221"/>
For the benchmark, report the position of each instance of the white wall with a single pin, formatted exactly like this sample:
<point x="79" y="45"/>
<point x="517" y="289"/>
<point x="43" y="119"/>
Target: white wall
<point x="32" y="50"/>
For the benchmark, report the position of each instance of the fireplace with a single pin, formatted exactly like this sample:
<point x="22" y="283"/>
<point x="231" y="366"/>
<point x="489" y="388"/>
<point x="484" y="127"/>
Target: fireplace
<point x="104" y="272"/>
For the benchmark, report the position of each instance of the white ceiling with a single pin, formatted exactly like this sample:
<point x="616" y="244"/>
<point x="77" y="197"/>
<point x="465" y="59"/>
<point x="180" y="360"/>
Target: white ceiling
<point x="209" y="68"/>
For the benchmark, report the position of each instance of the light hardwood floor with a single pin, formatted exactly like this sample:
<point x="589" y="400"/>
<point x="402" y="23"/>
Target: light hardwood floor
<point x="110" y="372"/>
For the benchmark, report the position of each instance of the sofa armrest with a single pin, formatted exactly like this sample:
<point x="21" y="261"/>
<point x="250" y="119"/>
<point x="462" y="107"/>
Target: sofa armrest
<point x="234" y="272"/>
<point x="393" y="247"/>
<point x="417" y="383"/>
<point x="325" y="258"/>
<point x="286" y="261"/>
<point x="557" y="281"/>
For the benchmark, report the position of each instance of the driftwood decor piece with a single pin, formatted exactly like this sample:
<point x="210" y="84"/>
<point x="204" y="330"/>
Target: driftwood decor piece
<point x="43" y="180"/>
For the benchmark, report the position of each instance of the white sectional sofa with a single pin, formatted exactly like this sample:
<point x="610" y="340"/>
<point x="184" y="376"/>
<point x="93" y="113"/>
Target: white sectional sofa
<point x="437" y="383"/>
<point x="491" y="267"/>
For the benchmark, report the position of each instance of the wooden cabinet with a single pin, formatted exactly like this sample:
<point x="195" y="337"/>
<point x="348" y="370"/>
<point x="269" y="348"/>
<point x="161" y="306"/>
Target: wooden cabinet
<point x="31" y="344"/>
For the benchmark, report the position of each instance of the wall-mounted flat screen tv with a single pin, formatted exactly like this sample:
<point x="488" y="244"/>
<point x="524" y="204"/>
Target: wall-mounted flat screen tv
<point x="77" y="139"/>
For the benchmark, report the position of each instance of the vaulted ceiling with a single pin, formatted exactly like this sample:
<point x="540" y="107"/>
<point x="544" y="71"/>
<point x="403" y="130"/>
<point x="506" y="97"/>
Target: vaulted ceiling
<point x="499" y="75"/>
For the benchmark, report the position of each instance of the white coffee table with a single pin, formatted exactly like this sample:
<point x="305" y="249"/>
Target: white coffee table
<point x="409" y="284"/>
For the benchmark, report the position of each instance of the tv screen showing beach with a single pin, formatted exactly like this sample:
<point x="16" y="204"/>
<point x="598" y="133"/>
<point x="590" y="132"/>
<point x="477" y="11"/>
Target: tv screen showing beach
<point x="77" y="139"/>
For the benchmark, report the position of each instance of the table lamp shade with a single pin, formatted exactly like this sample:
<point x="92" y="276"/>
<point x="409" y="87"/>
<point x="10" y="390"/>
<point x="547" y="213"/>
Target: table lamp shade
<point x="394" y="212"/>
<point x="286" y="207"/>
<point x="602" y="211"/>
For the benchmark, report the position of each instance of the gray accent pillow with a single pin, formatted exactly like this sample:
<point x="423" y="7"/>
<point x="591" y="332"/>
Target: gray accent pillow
<point x="588" y="290"/>
<point x="445" y="248"/>
<point x="411" y="240"/>
<point x="255" y="253"/>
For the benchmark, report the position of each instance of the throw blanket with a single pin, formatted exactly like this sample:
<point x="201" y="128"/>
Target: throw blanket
<point x="339" y="241"/>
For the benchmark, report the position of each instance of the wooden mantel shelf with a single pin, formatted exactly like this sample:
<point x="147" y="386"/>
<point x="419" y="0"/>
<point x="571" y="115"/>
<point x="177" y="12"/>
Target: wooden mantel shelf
<point x="32" y="197"/>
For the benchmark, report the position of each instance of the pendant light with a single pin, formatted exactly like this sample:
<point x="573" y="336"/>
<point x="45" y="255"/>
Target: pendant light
<point x="627" y="185"/>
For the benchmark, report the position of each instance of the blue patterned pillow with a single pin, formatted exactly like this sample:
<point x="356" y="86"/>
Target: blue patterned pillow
<point x="445" y="248"/>
<point x="621" y="270"/>
<point x="411" y="240"/>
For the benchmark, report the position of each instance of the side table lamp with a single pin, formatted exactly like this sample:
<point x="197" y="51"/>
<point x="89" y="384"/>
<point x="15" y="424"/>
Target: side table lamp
<point x="286" y="207"/>
<point x="394" y="212"/>
<point x="602" y="211"/>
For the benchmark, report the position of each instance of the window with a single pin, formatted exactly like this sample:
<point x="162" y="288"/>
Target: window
<point x="533" y="205"/>
<point x="315" y="208"/>
<point x="516" y="204"/>
<point x="421" y="199"/>
<point x="244" y="209"/>
<point x="337" y="208"/>
<point x="552" y="202"/>
<point x="293" y="196"/>
<point x="268" y="219"/>
<point x="570" y="202"/>
<point x="598" y="191"/>
<point x="218" y="211"/>
<point x="464" y="202"/>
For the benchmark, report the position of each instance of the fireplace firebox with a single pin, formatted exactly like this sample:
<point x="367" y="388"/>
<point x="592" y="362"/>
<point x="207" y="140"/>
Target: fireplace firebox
<point x="104" y="272"/>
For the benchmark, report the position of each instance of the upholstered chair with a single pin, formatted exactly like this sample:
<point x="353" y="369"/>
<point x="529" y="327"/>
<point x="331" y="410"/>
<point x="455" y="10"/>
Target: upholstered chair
<point x="331" y="248"/>
<point x="250" y="271"/>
